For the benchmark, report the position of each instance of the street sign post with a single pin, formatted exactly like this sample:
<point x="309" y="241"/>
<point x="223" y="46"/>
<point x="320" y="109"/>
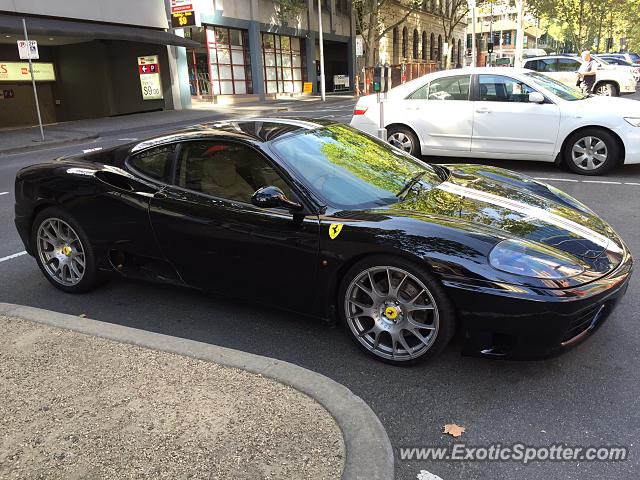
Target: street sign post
<point x="28" y="50"/>
<point x="31" y="49"/>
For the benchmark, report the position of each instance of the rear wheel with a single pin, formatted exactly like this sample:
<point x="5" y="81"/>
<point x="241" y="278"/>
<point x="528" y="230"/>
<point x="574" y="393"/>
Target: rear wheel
<point x="592" y="151"/>
<point x="63" y="251"/>
<point x="403" y="138"/>
<point x="606" y="89"/>
<point x="395" y="310"/>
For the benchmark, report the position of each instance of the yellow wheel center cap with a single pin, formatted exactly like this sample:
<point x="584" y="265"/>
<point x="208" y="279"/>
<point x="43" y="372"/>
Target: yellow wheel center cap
<point x="391" y="313"/>
<point x="66" y="250"/>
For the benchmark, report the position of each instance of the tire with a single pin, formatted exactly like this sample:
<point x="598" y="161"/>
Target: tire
<point x="603" y="155"/>
<point x="403" y="138"/>
<point x="606" y="89"/>
<point x="61" y="245"/>
<point x="385" y="322"/>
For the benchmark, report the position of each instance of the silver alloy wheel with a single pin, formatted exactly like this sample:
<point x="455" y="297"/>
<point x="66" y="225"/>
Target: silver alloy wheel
<point x="402" y="141"/>
<point x="605" y="89"/>
<point x="392" y="313"/>
<point x="589" y="153"/>
<point x="61" y="252"/>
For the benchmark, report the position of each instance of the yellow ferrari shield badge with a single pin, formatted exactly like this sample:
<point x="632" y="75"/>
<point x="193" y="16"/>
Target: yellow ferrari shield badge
<point x="334" y="230"/>
<point x="391" y="313"/>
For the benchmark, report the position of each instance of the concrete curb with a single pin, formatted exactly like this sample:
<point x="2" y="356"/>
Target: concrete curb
<point x="369" y="454"/>
<point x="47" y="144"/>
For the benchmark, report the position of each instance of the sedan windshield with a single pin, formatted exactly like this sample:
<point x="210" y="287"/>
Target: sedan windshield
<point x="349" y="169"/>
<point x="555" y="87"/>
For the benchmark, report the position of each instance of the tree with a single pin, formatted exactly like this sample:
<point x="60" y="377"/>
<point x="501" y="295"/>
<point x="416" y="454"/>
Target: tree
<point x="373" y="21"/>
<point x="454" y="12"/>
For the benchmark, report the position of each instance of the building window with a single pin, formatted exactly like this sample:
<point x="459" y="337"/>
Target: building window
<point x="424" y="45"/>
<point x="432" y="47"/>
<point x="405" y="42"/>
<point x="342" y="7"/>
<point x="439" y="47"/>
<point x="453" y="50"/>
<point x="507" y="38"/>
<point x="459" y="53"/>
<point x="416" y="43"/>
<point x="395" y="47"/>
<point x="229" y="63"/>
<point x="282" y="56"/>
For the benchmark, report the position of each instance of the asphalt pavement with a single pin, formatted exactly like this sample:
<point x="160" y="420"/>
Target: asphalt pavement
<point x="587" y="397"/>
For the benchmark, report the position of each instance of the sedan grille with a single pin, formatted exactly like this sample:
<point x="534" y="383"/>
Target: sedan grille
<point x="581" y="323"/>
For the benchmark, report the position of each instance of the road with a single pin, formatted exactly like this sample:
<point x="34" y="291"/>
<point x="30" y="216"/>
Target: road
<point x="588" y="397"/>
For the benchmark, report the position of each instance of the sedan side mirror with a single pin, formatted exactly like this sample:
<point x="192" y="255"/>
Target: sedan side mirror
<point x="536" y="97"/>
<point x="273" y="197"/>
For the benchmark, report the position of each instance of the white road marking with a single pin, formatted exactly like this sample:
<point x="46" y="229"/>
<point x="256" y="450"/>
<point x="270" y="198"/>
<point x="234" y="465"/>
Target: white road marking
<point x="4" y="193"/>
<point x="132" y="139"/>
<point x="603" y="182"/>
<point x="557" y="179"/>
<point x="10" y="257"/>
<point x="92" y="150"/>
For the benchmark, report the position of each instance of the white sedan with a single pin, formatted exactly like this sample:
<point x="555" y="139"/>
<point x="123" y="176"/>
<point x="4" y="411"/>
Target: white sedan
<point x="506" y="113"/>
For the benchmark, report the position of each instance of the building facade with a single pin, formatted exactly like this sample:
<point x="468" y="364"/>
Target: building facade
<point x="88" y="64"/>
<point x="248" y="49"/>
<point x="419" y="38"/>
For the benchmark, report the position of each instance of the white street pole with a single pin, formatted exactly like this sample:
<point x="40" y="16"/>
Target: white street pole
<point x="33" y="78"/>
<point x="517" y="61"/>
<point x="474" y="53"/>
<point x="322" y="92"/>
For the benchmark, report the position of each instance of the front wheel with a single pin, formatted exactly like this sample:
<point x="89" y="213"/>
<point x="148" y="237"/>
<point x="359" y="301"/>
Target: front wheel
<point x="592" y="151"/>
<point x="63" y="251"/>
<point x="404" y="139"/>
<point x="395" y="310"/>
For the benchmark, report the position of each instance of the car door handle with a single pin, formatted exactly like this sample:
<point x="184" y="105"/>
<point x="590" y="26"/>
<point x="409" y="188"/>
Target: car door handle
<point x="483" y="110"/>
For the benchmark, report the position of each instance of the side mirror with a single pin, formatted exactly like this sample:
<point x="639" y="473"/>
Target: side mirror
<point x="273" y="197"/>
<point x="536" y="97"/>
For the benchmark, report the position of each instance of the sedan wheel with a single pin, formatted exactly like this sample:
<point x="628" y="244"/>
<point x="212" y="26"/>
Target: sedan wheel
<point x="63" y="251"/>
<point x="393" y="313"/>
<point x="591" y="152"/>
<point x="606" y="90"/>
<point x="404" y="139"/>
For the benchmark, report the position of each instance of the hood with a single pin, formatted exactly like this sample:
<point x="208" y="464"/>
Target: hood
<point x="518" y="206"/>
<point x="616" y="106"/>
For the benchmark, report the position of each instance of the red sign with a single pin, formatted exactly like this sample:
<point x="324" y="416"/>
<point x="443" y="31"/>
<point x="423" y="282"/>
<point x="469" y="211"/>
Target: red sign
<point x="148" y="68"/>
<point x="181" y="8"/>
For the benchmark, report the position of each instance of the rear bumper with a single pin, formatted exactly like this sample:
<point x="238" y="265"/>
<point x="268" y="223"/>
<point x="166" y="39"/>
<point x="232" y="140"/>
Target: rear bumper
<point x="529" y="324"/>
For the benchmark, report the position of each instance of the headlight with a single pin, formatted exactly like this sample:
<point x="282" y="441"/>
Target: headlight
<point x="635" y="121"/>
<point x="533" y="260"/>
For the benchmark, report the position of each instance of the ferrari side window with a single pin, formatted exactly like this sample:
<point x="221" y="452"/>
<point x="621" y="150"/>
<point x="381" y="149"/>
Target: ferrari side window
<point x="155" y="162"/>
<point x="226" y="170"/>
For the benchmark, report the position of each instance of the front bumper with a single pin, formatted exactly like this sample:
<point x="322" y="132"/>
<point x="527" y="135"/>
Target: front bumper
<point x="521" y="323"/>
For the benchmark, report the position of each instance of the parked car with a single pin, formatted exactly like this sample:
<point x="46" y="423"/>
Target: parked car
<point x="615" y="63"/>
<point x="508" y="113"/>
<point x="319" y="218"/>
<point x="609" y="82"/>
<point x="630" y="57"/>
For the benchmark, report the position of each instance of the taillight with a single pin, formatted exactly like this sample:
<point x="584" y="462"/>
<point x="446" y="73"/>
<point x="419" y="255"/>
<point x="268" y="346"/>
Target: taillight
<point x="359" y="110"/>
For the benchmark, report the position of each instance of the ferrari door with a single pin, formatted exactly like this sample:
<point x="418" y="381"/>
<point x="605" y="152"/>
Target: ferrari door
<point x="217" y="240"/>
<point x="507" y="124"/>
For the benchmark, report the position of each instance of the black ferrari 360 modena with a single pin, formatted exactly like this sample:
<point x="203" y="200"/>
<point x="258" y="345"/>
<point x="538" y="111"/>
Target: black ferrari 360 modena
<point x="319" y="218"/>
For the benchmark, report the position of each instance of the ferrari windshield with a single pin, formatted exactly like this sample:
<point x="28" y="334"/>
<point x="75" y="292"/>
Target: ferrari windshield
<point x="349" y="169"/>
<point x="555" y="87"/>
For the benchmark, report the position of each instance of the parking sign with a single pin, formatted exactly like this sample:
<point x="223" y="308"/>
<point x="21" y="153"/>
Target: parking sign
<point x="28" y="50"/>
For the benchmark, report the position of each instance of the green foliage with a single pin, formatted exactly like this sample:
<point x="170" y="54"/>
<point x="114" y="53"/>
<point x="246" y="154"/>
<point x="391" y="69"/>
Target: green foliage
<point x="289" y="9"/>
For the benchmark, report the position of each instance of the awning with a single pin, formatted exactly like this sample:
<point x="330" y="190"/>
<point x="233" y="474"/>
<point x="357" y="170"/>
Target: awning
<point x="91" y="30"/>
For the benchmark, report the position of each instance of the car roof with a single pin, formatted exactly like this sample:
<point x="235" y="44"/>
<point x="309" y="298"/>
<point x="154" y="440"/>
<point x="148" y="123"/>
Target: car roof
<point x="562" y="55"/>
<point x="254" y="130"/>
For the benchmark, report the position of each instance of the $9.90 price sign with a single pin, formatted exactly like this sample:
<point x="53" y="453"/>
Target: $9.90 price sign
<point x="149" y="72"/>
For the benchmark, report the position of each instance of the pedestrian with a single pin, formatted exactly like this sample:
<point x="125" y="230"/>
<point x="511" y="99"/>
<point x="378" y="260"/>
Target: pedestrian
<point x="587" y="73"/>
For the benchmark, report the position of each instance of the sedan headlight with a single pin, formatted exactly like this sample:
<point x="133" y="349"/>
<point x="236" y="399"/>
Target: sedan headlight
<point x="529" y="259"/>
<point x="635" y="121"/>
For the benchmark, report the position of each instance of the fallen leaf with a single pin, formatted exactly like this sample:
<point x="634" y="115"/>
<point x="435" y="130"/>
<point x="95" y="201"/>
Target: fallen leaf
<point x="453" y="429"/>
<point x="83" y="315"/>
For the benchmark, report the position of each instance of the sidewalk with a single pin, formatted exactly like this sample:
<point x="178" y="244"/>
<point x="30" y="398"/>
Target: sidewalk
<point x="87" y="399"/>
<point x="24" y="139"/>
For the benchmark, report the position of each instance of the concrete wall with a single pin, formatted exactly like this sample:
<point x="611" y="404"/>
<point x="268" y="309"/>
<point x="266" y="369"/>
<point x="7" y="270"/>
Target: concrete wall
<point x="149" y="13"/>
<point x="21" y="110"/>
